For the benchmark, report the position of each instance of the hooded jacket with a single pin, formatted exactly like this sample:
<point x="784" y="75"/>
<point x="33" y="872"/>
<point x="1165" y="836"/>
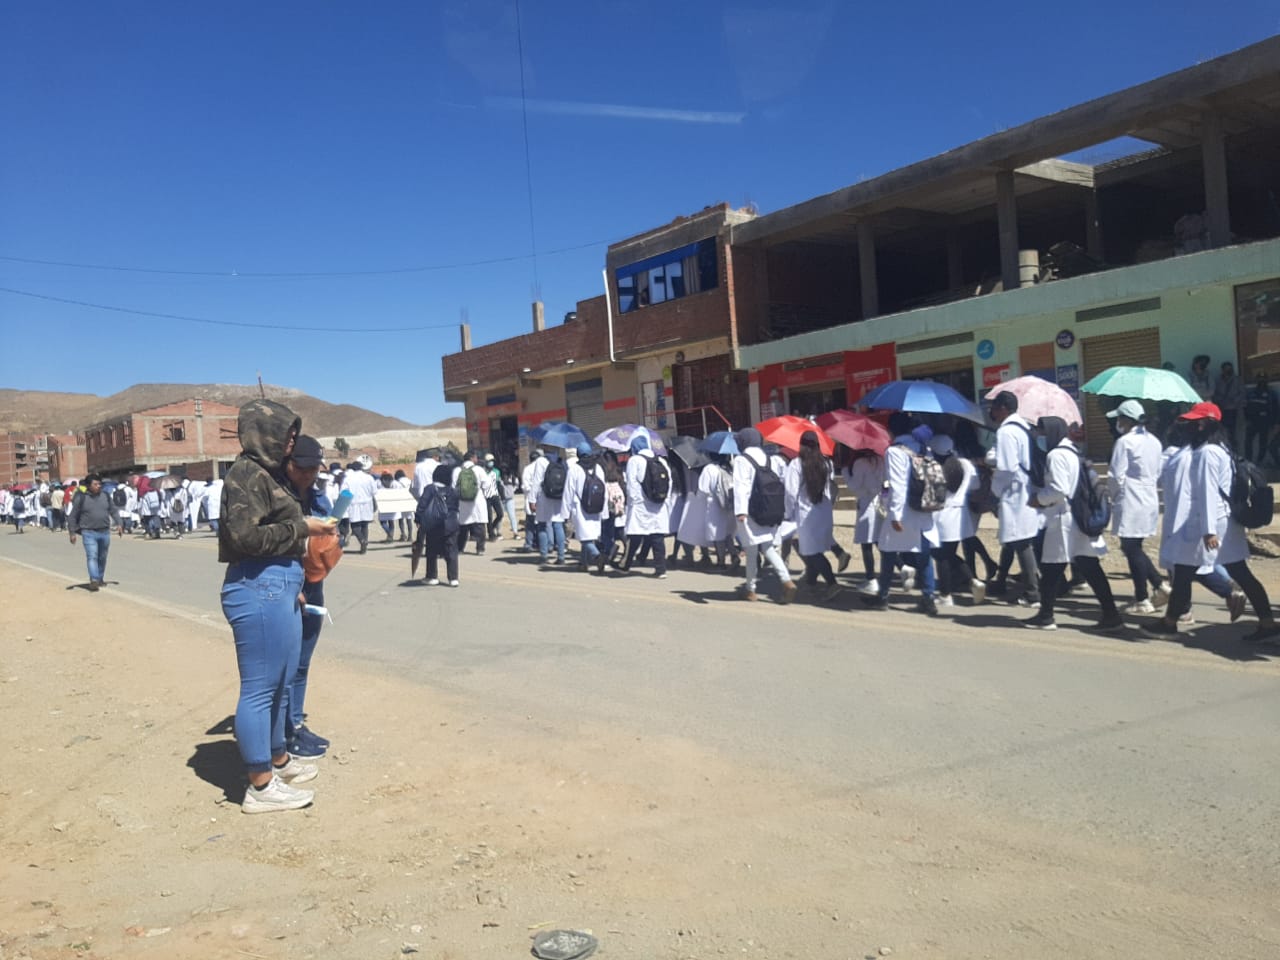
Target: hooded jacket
<point x="261" y="514"/>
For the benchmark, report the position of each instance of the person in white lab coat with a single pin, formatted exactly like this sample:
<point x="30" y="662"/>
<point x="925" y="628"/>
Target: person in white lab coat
<point x="1019" y="520"/>
<point x="213" y="503"/>
<point x="809" y="507"/>
<point x="648" y="520"/>
<point x="715" y="484"/>
<point x="473" y="513"/>
<point x="362" y="487"/>
<point x="754" y="536"/>
<point x="955" y="523"/>
<point x="531" y="500"/>
<point x="864" y="478"/>
<point x="907" y="535"/>
<point x="1135" y="503"/>
<point x="1064" y="542"/>
<point x="549" y="478"/>
<point x="586" y="522"/>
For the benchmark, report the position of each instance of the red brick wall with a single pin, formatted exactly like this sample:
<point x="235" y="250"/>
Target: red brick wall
<point x="217" y="424"/>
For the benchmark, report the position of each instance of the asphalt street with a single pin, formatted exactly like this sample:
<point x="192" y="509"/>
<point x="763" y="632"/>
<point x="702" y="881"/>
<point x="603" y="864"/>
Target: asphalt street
<point x="1169" y="746"/>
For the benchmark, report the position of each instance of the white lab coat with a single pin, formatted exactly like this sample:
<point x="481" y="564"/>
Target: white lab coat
<point x="865" y="480"/>
<point x="530" y="488"/>
<point x="1135" y="472"/>
<point x="644" y="516"/>
<point x="1018" y="519"/>
<point x="815" y="522"/>
<point x="744" y="475"/>
<point x="547" y="510"/>
<point x="916" y="524"/>
<point x="472" y="511"/>
<point x="212" y="500"/>
<point x="585" y="525"/>
<point x="422" y="476"/>
<point x="1063" y="539"/>
<point x="362" y="487"/>
<point x="1179" y="543"/>
<point x="956" y="521"/>
<point x="719" y="522"/>
<point x="1211" y="474"/>
<point x="693" y="521"/>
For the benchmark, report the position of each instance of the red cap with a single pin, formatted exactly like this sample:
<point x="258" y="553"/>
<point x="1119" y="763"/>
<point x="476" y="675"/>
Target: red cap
<point x="1203" y="411"/>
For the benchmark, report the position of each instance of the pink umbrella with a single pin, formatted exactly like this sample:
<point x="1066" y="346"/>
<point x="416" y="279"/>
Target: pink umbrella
<point x="1039" y="398"/>
<point x="858" y="432"/>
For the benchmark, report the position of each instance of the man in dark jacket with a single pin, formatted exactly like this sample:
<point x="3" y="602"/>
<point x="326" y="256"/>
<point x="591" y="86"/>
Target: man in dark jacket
<point x="93" y="514"/>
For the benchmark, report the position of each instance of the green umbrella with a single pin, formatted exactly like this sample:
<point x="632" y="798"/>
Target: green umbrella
<point x="1142" y="383"/>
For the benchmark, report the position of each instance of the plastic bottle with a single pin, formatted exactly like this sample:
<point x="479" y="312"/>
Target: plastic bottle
<point x="340" y="505"/>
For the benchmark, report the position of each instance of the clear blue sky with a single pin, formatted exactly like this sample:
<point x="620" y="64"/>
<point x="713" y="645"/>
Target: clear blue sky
<point x="325" y="137"/>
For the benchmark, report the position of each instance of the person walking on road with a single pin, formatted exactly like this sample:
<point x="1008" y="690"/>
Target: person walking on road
<point x="956" y="523"/>
<point x="527" y="478"/>
<point x="908" y="535"/>
<point x="649" y="488"/>
<point x="756" y="531"/>
<point x="1135" y="503"/>
<point x="437" y="520"/>
<point x="93" y="515"/>
<point x="364" y="489"/>
<point x="809" y="506"/>
<point x="1011" y="482"/>
<point x="587" y="504"/>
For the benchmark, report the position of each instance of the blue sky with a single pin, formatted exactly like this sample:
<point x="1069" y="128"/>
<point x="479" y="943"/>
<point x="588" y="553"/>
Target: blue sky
<point x="239" y="138"/>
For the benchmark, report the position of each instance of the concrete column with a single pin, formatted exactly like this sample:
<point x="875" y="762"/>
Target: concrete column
<point x="1007" y="219"/>
<point x="464" y="331"/>
<point x="955" y="260"/>
<point x="539" y="318"/>
<point x="1214" y="152"/>
<point x="867" y="270"/>
<point x="1092" y="226"/>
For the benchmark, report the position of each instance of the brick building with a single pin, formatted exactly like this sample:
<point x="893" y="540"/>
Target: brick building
<point x="657" y="348"/>
<point x="19" y="458"/>
<point x="66" y="457"/>
<point x="169" y="437"/>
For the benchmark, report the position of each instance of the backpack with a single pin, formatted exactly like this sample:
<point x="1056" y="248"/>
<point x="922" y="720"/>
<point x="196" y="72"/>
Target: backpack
<point x="553" y="480"/>
<point x="19" y="506"/>
<point x="1038" y="456"/>
<point x="767" y="503"/>
<point x="46" y="500"/>
<point x="1090" y="510"/>
<point x="177" y="506"/>
<point x="953" y="473"/>
<point x="926" y="484"/>
<point x="119" y="497"/>
<point x="723" y="488"/>
<point x="593" y="493"/>
<point x="1250" y="498"/>
<point x="432" y="511"/>
<point x="656" y="482"/>
<point x="468" y="485"/>
<point x="617" y="499"/>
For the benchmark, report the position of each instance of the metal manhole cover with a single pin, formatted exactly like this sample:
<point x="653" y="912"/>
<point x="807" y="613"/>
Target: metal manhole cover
<point x="564" y="945"/>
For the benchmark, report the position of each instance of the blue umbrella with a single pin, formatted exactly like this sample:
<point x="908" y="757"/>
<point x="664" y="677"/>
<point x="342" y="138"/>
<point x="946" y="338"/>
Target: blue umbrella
<point x="923" y="396"/>
<point x="619" y="438"/>
<point x="721" y="441"/>
<point x="555" y="434"/>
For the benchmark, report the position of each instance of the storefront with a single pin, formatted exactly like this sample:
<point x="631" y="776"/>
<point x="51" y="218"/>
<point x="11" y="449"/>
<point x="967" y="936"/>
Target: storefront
<point x="817" y="385"/>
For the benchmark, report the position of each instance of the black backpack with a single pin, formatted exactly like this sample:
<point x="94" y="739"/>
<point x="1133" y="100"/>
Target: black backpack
<point x="433" y="513"/>
<point x="656" y="482"/>
<point x="1250" y="498"/>
<point x="119" y="497"/>
<point x="553" y="480"/>
<point x="1037" y="457"/>
<point x="1090" y="510"/>
<point x="768" y="501"/>
<point x="592" y="492"/>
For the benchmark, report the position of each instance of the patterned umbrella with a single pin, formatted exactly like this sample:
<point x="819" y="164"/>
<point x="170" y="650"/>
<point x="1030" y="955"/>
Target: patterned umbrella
<point x="554" y="434"/>
<point x="860" y="433"/>
<point x="619" y="438"/>
<point x="786" y="431"/>
<point x="1039" y="398"/>
<point x="1142" y="383"/>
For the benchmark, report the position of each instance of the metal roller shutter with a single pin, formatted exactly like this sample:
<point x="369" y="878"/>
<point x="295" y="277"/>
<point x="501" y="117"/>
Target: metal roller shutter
<point x="584" y="405"/>
<point x="1137" y="348"/>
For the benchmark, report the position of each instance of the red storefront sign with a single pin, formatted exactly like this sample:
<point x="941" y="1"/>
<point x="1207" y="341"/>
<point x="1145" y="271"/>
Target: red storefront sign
<point x="861" y="371"/>
<point x="867" y="369"/>
<point x="994" y="376"/>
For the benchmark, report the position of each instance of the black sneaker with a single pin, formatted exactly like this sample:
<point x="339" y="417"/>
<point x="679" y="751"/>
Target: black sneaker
<point x="1268" y="633"/>
<point x="1110" y="624"/>
<point x="1159" y="629"/>
<point x="874" y="601"/>
<point x="1040" y="623"/>
<point x="928" y="606"/>
<point x="304" y="751"/>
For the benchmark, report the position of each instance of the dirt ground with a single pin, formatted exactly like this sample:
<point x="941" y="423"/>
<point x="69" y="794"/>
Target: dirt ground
<point x="440" y="832"/>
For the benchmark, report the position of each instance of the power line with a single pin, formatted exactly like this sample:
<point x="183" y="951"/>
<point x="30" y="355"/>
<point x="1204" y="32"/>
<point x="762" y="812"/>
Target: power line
<point x="302" y="275"/>
<point x="222" y="323"/>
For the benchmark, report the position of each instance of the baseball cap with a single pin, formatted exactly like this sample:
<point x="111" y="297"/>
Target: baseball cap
<point x="488" y="458"/>
<point x="1203" y="411"/>
<point x="1131" y="409"/>
<point x="307" y="452"/>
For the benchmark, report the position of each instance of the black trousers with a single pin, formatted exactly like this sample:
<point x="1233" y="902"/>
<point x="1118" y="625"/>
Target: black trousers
<point x="495" y="516"/>
<point x="440" y="546"/>
<point x="1259" y="429"/>
<point x="869" y="560"/>
<point x="975" y="548"/>
<point x="475" y="531"/>
<point x="952" y="572"/>
<point x="1091" y="569"/>
<point x="1025" y="551"/>
<point x="1141" y="570"/>
<point x="649" y="541"/>
<point x="817" y="565"/>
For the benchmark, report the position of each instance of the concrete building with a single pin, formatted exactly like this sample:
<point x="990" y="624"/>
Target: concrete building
<point x="20" y="460"/>
<point x="66" y="457"/>
<point x="1006" y="257"/>
<point x="169" y="437"/>
<point x="657" y="348"/>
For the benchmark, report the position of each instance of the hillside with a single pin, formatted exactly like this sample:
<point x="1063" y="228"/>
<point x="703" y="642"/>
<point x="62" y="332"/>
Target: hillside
<point x="39" y="411"/>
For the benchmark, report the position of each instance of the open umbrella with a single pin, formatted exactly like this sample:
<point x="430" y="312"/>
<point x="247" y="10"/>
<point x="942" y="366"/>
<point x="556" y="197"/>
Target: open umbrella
<point x="619" y="438"/>
<point x="924" y="396"/>
<point x="686" y="449"/>
<point x="1039" y="398"/>
<point x="786" y="431"/>
<point x="719" y="442"/>
<point x="1142" y="383"/>
<point x="829" y="419"/>
<point x="154" y="474"/>
<point x="168" y="483"/>
<point x="556" y="434"/>
<point x="859" y="432"/>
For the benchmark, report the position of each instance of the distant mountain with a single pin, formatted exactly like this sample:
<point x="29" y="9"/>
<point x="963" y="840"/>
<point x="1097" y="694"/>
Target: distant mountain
<point x="40" y="411"/>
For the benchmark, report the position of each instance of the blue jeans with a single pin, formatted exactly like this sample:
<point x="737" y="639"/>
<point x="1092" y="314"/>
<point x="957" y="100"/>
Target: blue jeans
<point x="96" y="545"/>
<point x="260" y="601"/>
<point x="510" y="507"/>
<point x="551" y="531"/>
<point x="311" y="624"/>
<point x="889" y="561"/>
<point x="589" y="551"/>
<point x="530" y="530"/>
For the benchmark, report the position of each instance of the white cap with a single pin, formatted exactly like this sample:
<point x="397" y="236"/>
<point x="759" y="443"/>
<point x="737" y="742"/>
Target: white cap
<point x="1130" y="409"/>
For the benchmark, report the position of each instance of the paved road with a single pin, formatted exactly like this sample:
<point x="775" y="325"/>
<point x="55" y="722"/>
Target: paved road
<point x="1170" y="746"/>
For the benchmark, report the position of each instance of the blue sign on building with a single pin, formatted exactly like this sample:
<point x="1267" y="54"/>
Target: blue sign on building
<point x="986" y="349"/>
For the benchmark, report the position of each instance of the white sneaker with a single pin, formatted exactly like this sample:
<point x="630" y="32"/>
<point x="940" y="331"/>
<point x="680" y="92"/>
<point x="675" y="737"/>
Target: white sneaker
<point x="295" y="771"/>
<point x="908" y="581"/>
<point x="453" y="583"/>
<point x="1142" y="606"/>
<point x="870" y="589"/>
<point x="1162" y="595"/>
<point x="1235" y="604"/>
<point x="433" y="582"/>
<point x="275" y="796"/>
<point x="945" y="600"/>
<point x="979" y="590"/>
<point x="1187" y="619"/>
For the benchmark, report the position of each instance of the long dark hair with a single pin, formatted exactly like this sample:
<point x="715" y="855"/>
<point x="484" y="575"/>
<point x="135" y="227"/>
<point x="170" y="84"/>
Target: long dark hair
<point x="813" y="470"/>
<point x="612" y="472"/>
<point x="1211" y="431"/>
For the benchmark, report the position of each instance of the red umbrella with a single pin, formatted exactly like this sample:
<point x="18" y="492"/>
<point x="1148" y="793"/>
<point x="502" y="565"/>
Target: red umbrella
<point x="786" y="432"/>
<point x="828" y="420"/>
<point x="861" y="433"/>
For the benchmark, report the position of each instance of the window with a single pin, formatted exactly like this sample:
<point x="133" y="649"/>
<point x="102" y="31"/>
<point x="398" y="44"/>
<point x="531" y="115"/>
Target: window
<point x="175" y="430"/>
<point x="668" y="276"/>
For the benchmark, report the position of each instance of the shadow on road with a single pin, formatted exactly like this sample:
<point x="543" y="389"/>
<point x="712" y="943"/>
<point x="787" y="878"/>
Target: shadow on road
<point x="218" y="763"/>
